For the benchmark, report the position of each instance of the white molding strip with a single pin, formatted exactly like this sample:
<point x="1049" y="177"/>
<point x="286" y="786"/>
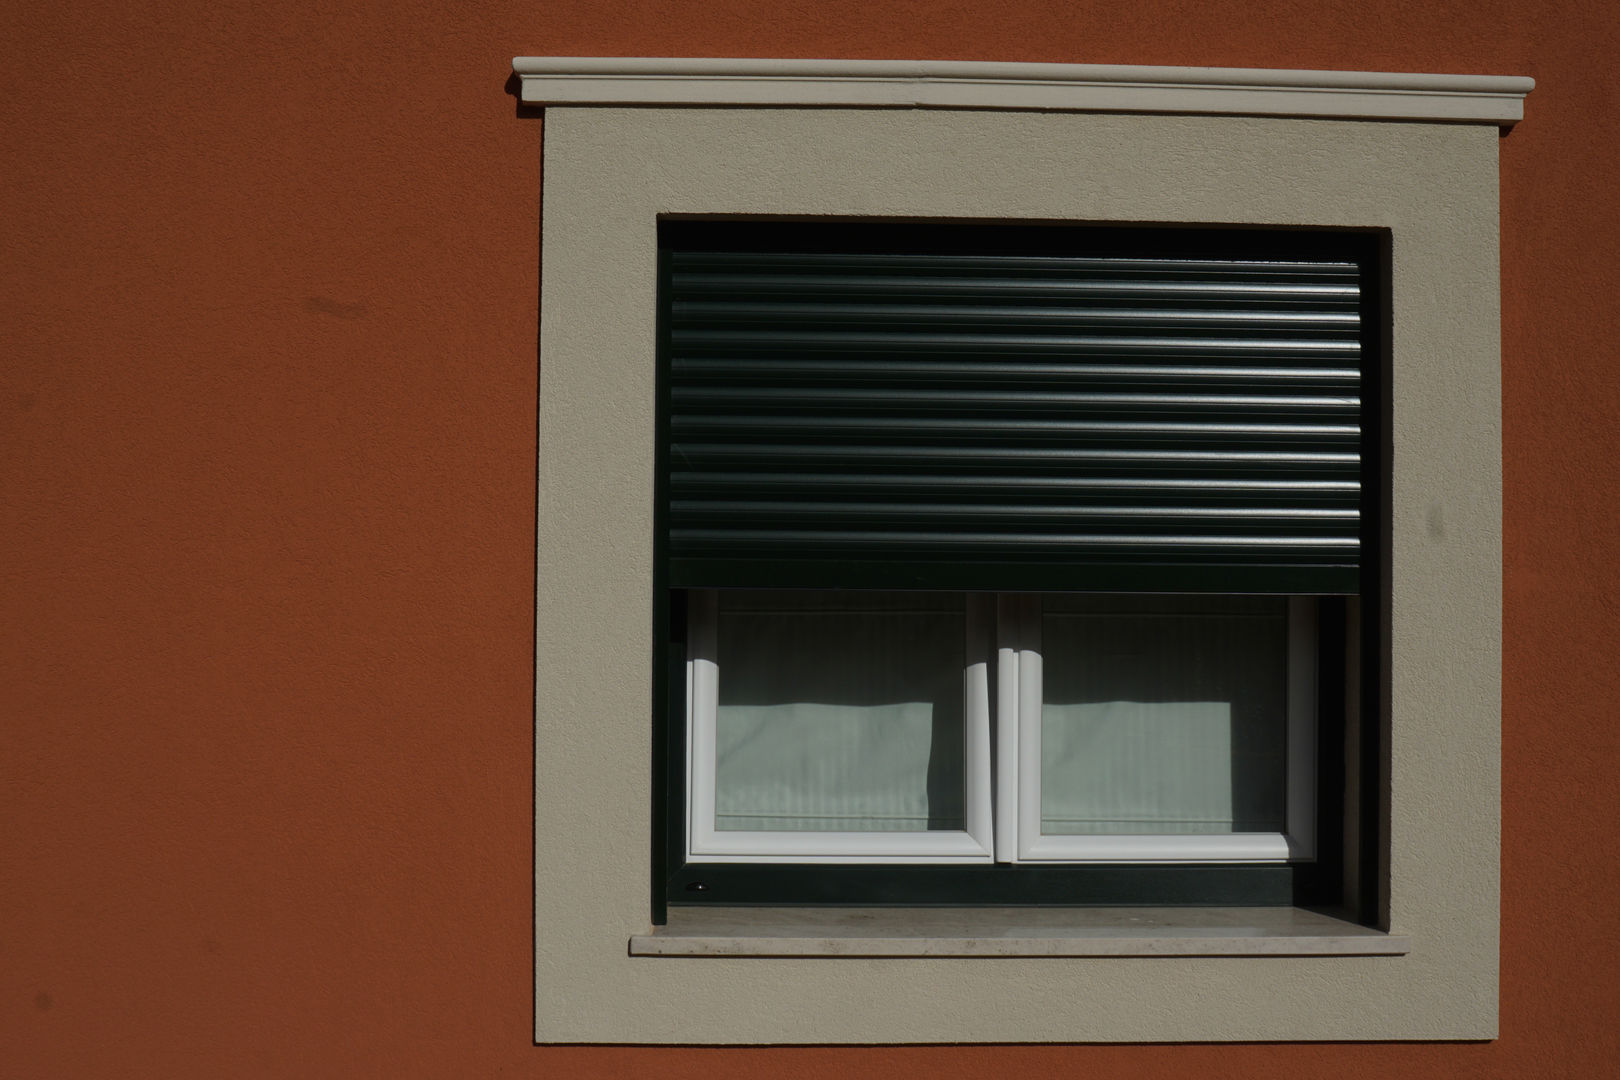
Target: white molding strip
<point x="950" y="84"/>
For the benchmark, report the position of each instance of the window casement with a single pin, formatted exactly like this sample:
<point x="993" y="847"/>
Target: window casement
<point x="999" y="556"/>
<point x="1170" y="729"/>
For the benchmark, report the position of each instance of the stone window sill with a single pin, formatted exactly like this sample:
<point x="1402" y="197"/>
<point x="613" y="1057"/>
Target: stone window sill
<point x="894" y="932"/>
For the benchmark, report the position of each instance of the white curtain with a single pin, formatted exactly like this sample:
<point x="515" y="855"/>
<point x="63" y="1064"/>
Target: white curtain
<point x="839" y="712"/>
<point x="1163" y="715"/>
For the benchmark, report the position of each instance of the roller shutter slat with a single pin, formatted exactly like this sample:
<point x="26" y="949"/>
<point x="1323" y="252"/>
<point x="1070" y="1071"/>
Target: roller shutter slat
<point x="945" y="420"/>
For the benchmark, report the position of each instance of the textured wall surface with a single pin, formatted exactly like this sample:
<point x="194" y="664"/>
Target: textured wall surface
<point x="268" y="287"/>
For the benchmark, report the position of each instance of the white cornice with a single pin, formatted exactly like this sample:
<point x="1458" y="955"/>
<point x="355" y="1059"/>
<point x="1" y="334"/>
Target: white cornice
<point x="950" y="84"/>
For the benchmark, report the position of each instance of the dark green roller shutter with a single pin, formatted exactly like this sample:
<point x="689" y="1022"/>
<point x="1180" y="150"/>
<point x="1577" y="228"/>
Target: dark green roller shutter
<point x="974" y="418"/>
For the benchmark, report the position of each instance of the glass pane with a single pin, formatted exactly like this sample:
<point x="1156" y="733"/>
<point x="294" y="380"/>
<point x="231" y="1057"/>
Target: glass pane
<point x="839" y="712"/>
<point x="1164" y="714"/>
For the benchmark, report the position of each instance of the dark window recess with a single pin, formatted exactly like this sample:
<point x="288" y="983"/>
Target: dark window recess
<point x="1010" y="408"/>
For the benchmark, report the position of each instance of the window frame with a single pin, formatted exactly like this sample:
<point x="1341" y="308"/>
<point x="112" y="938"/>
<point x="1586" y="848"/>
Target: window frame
<point x="1434" y="619"/>
<point x="1000" y="630"/>
<point x="1022" y="666"/>
<point x="1282" y="873"/>
<point x="1278" y="869"/>
<point x="706" y="843"/>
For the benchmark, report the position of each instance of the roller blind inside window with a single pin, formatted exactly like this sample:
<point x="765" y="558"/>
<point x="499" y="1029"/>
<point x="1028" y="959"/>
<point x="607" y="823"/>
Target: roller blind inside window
<point x="931" y="409"/>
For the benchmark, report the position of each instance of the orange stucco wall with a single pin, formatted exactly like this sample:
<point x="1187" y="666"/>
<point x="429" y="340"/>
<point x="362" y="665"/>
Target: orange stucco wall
<point x="267" y="435"/>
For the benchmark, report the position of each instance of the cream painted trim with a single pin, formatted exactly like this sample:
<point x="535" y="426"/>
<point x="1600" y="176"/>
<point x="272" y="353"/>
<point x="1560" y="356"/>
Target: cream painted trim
<point x="611" y="173"/>
<point x="955" y="84"/>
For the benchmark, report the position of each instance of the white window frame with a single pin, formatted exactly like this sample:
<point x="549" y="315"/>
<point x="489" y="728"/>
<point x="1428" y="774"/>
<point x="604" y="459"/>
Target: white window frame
<point x="1011" y="834"/>
<point x="1019" y="777"/>
<point x="706" y="843"/>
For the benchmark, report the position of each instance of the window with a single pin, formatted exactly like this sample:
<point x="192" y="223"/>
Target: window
<point x="1429" y="623"/>
<point x="861" y="727"/>
<point x="1165" y="423"/>
<point x="842" y="727"/>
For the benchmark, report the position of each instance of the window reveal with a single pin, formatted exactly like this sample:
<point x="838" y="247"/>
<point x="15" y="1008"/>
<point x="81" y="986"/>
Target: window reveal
<point x="1153" y="436"/>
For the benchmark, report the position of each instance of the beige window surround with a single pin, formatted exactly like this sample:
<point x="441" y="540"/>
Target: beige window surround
<point x="603" y="974"/>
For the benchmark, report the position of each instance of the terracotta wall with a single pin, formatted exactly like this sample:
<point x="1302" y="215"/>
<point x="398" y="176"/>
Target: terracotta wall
<point x="267" y="397"/>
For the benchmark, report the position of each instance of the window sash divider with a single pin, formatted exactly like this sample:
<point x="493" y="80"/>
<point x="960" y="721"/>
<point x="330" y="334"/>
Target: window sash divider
<point x="1007" y="667"/>
<point x="1026" y="717"/>
<point x="978" y="715"/>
